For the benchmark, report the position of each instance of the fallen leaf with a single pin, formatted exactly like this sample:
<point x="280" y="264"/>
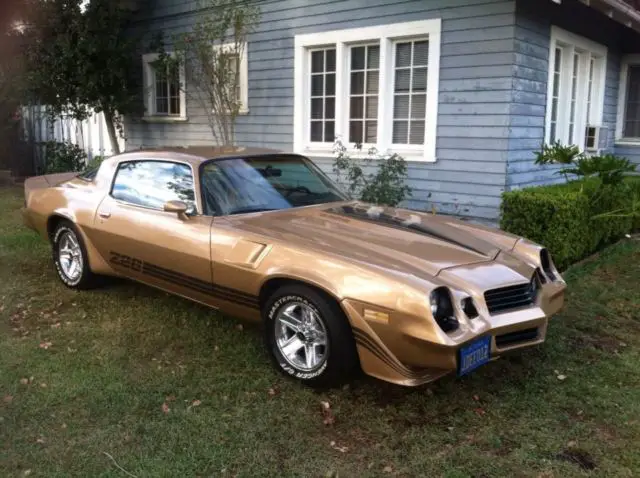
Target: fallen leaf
<point x="196" y="403"/>
<point x="40" y="439"/>
<point x="216" y="348"/>
<point x="272" y="392"/>
<point x="327" y="414"/>
<point x="571" y="444"/>
<point x="341" y="449"/>
<point x="170" y="398"/>
<point x="387" y="469"/>
<point x="7" y="399"/>
<point x="239" y="327"/>
<point x="476" y="398"/>
<point x="480" y="411"/>
<point x="562" y="377"/>
<point x="24" y="381"/>
<point x="43" y="385"/>
<point x="45" y="345"/>
<point x="64" y="425"/>
<point x="56" y="325"/>
<point x="26" y="472"/>
<point x="165" y="408"/>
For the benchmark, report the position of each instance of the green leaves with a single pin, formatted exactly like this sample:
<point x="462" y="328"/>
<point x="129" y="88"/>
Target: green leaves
<point x="385" y="185"/>
<point x="63" y="157"/>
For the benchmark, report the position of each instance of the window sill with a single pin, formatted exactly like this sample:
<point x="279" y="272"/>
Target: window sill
<point x="628" y="142"/>
<point x="165" y="119"/>
<point x="409" y="156"/>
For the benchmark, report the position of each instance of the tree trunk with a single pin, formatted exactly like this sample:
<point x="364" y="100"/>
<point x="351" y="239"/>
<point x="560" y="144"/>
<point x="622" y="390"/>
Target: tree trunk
<point x="109" y="119"/>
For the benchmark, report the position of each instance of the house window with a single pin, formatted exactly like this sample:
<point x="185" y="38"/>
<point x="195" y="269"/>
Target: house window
<point x="322" y="80"/>
<point x="235" y="56"/>
<point x="628" y="124"/>
<point x="164" y="90"/>
<point x="373" y="86"/>
<point x="575" y="95"/>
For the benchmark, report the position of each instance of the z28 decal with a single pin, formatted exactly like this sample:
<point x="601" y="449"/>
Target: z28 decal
<point x="183" y="280"/>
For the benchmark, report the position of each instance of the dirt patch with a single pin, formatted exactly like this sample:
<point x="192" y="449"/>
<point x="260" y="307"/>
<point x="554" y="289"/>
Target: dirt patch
<point x="578" y="457"/>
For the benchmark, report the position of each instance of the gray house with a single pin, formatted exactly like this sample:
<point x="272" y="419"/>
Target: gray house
<point x="465" y="90"/>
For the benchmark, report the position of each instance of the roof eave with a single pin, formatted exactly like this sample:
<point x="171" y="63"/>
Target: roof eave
<point x="618" y="11"/>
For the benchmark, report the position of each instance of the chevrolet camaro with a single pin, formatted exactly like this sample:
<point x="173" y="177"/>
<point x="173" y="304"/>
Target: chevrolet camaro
<point x="340" y="285"/>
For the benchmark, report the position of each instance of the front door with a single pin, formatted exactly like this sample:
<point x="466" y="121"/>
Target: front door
<point x="142" y="241"/>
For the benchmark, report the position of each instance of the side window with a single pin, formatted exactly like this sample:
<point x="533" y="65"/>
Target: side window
<point x="153" y="183"/>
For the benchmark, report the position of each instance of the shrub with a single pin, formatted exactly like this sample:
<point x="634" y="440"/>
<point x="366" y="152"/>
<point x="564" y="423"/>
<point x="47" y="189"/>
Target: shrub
<point x="63" y="157"/>
<point x="385" y="186"/>
<point x="572" y="220"/>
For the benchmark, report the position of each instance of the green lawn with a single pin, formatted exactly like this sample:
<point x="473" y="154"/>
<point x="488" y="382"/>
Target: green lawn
<point x="168" y="388"/>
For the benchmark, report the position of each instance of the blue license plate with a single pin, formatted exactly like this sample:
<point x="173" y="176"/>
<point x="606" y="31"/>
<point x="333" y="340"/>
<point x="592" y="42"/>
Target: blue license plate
<point x="474" y="355"/>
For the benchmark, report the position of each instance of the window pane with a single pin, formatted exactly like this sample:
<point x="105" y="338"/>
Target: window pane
<point x="403" y="54"/>
<point x="400" y="132"/>
<point x="373" y="57"/>
<point x="632" y="106"/>
<point x="316" y="108"/>
<point x="421" y="53"/>
<point x="317" y="85"/>
<point x="419" y="79"/>
<point x="417" y="132"/>
<point x="316" y="131"/>
<point x="401" y="107"/>
<point x="162" y="106"/>
<point x="372" y="107"/>
<point x="370" y="131"/>
<point x="403" y="81"/>
<point x="329" y="131"/>
<point x="356" y="109"/>
<point x="357" y="58"/>
<point x="355" y="131"/>
<point x="329" y="108"/>
<point x="175" y="106"/>
<point x="418" y="106"/>
<point x="373" y="80"/>
<point x="153" y="183"/>
<point x="330" y="84"/>
<point x="331" y="60"/>
<point x="357" y="83"/>
<point x="317" y="61"/>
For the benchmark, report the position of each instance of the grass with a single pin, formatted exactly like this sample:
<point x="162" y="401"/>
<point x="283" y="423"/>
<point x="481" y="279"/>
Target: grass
<point x="86" y="374"/>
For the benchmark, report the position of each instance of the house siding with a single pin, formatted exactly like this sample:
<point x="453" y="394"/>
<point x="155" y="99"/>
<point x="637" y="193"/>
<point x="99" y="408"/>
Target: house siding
<point x="532" y="40"/>
<point x="474" y="116"/>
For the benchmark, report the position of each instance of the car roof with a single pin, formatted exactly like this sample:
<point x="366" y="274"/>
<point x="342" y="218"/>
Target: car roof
<point x="193" y="154"/>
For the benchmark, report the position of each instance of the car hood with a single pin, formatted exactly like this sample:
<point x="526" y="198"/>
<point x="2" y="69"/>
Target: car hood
<point x="393" y="239"/>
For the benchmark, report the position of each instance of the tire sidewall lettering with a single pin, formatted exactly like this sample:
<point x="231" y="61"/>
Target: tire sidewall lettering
<point x="63" y="277"/>
<point x="286" y="367"/>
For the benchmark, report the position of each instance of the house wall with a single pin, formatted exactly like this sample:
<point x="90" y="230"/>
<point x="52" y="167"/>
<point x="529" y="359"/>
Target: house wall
<point x="475" y="112"/>
<point x="533" y="29"/>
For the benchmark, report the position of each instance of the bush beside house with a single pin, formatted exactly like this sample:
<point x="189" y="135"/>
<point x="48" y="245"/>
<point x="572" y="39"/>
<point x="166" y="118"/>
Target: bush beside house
<point x="574" y="219"/>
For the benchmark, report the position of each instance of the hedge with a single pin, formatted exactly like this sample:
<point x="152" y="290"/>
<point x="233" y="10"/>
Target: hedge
<point x="561" y="217"/>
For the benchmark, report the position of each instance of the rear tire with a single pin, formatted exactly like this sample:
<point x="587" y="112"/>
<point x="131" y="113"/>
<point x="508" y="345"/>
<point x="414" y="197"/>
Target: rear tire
<point x="309" y="337"/>
<point x="70" y="257"/>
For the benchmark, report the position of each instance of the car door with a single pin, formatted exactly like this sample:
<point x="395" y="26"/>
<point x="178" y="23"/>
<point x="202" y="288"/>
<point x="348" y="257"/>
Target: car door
<point x="141" y="240"/>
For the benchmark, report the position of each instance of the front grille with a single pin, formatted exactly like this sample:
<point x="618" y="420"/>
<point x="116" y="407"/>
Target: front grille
<point x="511" y="297"/>
<point x="518" y="337"/>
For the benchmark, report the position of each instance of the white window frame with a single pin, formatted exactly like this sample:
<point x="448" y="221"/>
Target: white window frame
<point x="588" y="49"/>
<point x="627" y="61"/>
<point x="244" y="74"/>
<point x="149" y="91"/>
<point x="387" y="36"/>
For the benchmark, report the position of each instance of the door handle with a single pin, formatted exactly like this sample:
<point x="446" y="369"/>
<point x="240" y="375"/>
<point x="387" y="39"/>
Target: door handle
<point x="104" y="214"/>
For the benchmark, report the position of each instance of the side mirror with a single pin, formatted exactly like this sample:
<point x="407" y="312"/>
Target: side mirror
<point x="178" y="207"/>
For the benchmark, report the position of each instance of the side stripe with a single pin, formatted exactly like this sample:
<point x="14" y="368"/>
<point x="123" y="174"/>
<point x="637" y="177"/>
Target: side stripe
<point x="363" y="339"/>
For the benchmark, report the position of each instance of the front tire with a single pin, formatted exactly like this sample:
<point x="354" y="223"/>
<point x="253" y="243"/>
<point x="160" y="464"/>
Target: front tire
<point x="70" y="257"/>
<point x="309" y="337"/>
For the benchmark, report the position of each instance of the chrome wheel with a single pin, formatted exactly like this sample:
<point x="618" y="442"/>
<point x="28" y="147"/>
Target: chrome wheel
<point x="70" y="256"/>
<point x="301" y="336"/>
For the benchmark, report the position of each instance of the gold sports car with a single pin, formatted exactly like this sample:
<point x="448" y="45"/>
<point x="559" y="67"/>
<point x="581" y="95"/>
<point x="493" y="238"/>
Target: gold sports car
<point x="340" y="285"/>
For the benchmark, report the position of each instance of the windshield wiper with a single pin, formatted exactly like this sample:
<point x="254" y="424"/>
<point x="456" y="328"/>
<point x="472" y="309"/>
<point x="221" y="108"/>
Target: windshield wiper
<point x="252" y="209"/>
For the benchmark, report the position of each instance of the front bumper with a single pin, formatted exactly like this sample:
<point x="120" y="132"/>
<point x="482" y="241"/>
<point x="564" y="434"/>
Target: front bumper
<point x="399" y="356"/>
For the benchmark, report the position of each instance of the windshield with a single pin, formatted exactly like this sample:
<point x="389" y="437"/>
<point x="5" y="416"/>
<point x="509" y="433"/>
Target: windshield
<point x="265" y="183"/>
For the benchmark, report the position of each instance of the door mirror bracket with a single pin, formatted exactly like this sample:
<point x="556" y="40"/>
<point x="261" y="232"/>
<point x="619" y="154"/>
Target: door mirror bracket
<point x="178" y="207"/>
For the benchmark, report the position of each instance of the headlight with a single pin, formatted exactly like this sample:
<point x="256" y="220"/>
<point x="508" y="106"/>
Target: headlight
<point x="547" y="265"/>
<point x="442" y="309"/>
